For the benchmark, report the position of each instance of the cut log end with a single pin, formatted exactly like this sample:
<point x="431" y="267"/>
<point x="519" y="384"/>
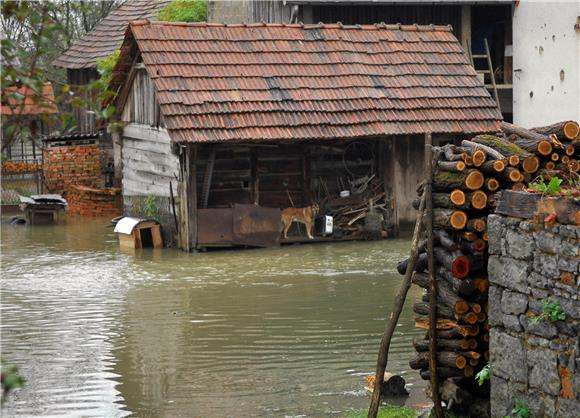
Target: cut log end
<point x="550" y="165"/>
<point x="514" y="160"/>
<point x="458" y="219"/>
<point x="531" y="164"/>
<point x="460" y="362"/>
<point x="478" y="157"/>
<point x="571" y="129"/>
<point x="492" y="184"/>
<point x="544" y="147"/>
<point x="498" y="166"/>
<point x="555" y="156"/>
<point x="474" y="180"/>
<point x="574" y="166"/>
<point x="461" y="307"/>
<point x="478" y="200"/>
<point x="514" y="175"/>
<point x="460" y="267"/>
<point x="457" y="197"/>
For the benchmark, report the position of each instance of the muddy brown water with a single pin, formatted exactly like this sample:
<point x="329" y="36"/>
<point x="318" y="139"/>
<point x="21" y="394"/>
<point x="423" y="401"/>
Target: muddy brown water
<point x="289" y="331"/>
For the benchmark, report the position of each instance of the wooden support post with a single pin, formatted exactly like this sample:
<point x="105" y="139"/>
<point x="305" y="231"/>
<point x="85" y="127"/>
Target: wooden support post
<point x="433" y="283"/>
<point x="394" y="318"/>
<point x="183" y="232"/>
<point x="188" y="198"/>
<point x="192" y="196"/>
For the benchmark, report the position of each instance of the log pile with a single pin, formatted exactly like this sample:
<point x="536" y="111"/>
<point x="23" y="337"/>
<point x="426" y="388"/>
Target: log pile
<point x="466" y="177"/>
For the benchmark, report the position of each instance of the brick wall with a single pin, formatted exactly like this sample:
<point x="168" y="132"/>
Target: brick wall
<point x="89" y="201"/>
<point x="535" y="363"/>
<point x="76" y="164"/>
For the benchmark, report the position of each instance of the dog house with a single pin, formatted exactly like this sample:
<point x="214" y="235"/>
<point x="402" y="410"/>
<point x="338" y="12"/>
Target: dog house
<point x="139" y="233"/>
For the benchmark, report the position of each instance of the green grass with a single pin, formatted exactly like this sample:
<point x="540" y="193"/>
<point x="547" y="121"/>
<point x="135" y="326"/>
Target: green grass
<point x="387" y="411"/>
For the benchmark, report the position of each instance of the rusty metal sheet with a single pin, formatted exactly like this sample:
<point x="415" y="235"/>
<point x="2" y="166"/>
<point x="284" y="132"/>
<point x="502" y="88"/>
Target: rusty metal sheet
<point x="256" y="226"/>
<point x="214" y="227"/>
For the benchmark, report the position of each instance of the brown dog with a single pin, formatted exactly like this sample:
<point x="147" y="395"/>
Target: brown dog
<point x="303" y="215"/>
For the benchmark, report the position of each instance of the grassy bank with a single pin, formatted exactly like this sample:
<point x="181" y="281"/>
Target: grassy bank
<point x="387" y="411"/>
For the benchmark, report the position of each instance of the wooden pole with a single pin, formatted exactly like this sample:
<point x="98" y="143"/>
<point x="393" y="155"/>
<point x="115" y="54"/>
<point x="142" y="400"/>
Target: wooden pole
<point x="431" y="267"/>
<point x="394" y="318"/>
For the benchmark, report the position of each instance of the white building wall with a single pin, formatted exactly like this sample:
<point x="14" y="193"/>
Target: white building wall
<point x="546" y="62"/>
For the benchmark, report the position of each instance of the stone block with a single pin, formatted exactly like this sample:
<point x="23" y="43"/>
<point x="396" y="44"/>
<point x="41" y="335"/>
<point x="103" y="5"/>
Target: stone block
<point x="546" y="265"/>
<point x="509" y="273"/>
<point x="511" y="323"/>
<point x="568" y="264"/>
<point x="569" y="248"/>
<point x="507" y="356"/>
<point x="540" y="404"/>
<point x="571" y="308"/>
<point x="496" y="231"/>
<point x="543" y="371"/>
<point x="513" y="302"/>
<point x="568" y="408"/>
<point x="547" y="242"/>
<point x="501" y="403"/>
<point x="542" y="328"/>
<point x="519" y="245"/>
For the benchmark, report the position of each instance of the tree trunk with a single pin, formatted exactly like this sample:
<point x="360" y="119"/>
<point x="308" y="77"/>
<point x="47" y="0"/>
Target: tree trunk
<point x="448" y="218"/>
<point x="420" y="264"/>
<point x="447" y="180"/>
<point x="451" y="165"/>
<point x="446" y="200"/>
<point x="487" y="150"/>
<point x="457" y="264"/>
<point x="538" y="146"/>
<point x="493" y="167"/>
<point x="460" y="345"/>
<point x="445" y="358"/>
<point x="504" y="147"/>
<point x="566" y="130"/>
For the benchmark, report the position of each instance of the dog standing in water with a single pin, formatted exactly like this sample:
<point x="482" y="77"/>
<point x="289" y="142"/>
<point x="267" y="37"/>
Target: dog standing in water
<point x="303" y="215"/>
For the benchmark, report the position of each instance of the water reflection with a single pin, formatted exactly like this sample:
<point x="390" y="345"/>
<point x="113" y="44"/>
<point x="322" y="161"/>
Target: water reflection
<point x="284" y="331"/>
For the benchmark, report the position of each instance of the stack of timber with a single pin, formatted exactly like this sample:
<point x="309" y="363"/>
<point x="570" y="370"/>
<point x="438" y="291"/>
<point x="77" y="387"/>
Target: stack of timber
<point x="466" y="178"/>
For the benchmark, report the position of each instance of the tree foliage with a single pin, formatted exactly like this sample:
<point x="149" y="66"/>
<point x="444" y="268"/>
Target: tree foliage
<point x="184" y="11"/>
<point x="34" y="33"/>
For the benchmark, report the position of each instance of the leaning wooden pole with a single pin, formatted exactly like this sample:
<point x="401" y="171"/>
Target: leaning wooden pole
<point x="394" y="318"/>
<point x="433" y="283"/>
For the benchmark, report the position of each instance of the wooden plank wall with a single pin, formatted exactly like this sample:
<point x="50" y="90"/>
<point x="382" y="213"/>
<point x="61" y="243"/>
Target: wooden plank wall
<point x="141" y="105"/>
<point x="148" y="161"/>
<point x="277" y="175"/>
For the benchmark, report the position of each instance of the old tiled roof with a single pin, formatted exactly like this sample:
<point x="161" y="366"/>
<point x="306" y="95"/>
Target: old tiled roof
<point x="108" y="35"/>
<point x="34" y="103"/>
<point x="295" y="82"/>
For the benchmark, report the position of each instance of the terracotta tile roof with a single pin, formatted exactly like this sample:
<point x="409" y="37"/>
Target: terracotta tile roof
<point x="295" y="82"/>
<point x="33" y="103"/>
<point x="108" y="35"/>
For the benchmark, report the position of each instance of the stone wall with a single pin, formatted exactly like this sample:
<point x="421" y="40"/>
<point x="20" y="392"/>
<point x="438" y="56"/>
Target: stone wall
<point x="534" y="363"/>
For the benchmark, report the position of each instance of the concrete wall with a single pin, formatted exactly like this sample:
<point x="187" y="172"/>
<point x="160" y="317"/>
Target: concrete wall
<point x="546" y="62"/>
<point x="536" y="364"/>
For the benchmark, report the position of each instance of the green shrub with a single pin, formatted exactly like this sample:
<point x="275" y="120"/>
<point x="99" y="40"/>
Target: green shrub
<point x="184" y="11"/>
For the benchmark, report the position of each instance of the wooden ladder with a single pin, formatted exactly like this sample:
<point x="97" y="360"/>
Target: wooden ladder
<point x="487" y="57"/>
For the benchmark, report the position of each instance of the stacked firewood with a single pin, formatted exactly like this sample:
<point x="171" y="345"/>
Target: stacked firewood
<point x="465" y="179"/>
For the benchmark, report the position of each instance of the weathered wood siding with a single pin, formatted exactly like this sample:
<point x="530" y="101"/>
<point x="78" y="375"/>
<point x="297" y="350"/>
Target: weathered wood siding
<point x="141" y="105"/>
<point x="404" y="170"/>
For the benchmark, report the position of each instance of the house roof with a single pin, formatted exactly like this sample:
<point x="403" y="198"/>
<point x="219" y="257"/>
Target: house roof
<point x="296" y="82"/>
<point x="33" y="103"/>
<point x="108" y="35"/>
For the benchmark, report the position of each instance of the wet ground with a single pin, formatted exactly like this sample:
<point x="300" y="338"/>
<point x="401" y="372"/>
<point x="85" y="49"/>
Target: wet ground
<point x="290" y="331"/>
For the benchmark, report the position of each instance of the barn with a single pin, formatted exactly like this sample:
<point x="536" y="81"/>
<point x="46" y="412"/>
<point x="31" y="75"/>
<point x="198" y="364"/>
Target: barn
<point x="227" y="126"/>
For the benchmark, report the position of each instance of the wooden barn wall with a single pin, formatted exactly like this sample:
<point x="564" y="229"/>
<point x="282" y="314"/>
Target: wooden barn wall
<point x="141" y="105"/>
<point x="368" y="14"/>
<point x="148" y="167"/>
<point x="404" y="167"/>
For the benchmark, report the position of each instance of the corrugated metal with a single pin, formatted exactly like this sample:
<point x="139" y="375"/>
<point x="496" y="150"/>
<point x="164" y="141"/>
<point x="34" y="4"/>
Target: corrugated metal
<point x="296" y="82"/>
<point x="108" y="35"/>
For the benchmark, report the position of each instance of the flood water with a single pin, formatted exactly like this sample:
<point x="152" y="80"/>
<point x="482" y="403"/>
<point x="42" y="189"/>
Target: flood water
<point x="289" y="331"/>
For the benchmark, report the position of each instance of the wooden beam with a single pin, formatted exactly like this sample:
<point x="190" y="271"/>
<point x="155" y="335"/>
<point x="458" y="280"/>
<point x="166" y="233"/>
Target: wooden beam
<point x="192" y="196"/>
